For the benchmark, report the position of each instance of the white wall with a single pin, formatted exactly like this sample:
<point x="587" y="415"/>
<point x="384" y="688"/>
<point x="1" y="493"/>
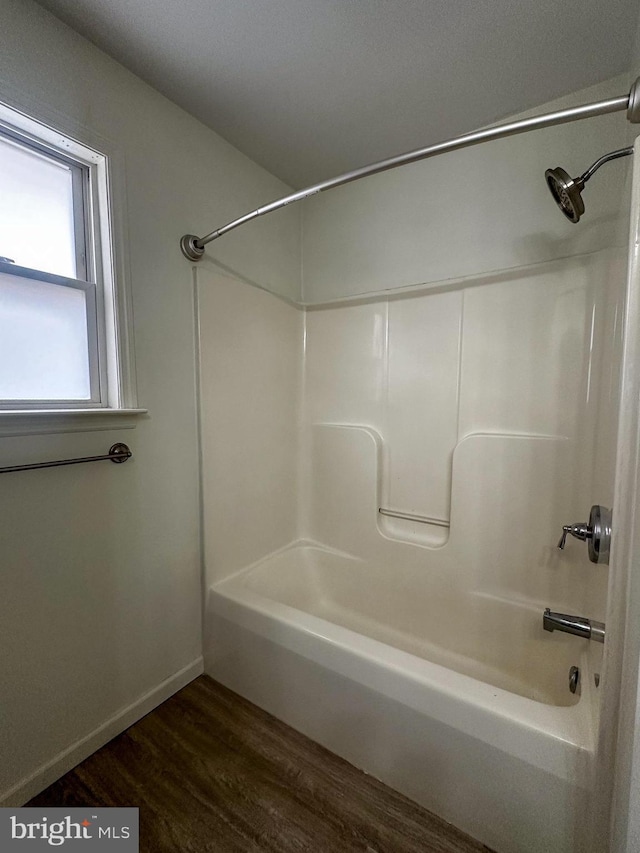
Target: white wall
<point x="251" y="362"/>
<point x="100" y="565"/>
<point x="474" y="211"/>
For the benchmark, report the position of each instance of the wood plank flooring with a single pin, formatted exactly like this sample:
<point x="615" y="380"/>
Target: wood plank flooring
<point x="212" y="772"/>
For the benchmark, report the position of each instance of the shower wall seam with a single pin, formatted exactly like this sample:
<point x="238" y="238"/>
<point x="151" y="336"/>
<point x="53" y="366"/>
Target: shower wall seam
<point x="460" y="375"/>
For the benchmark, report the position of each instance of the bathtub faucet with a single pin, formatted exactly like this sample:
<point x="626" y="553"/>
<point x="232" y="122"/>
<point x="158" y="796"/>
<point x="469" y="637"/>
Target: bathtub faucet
<point x="578" y="625"/>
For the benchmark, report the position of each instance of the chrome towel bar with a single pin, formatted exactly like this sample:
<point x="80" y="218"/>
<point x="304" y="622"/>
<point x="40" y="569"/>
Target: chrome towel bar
<point x="117" y="453"/>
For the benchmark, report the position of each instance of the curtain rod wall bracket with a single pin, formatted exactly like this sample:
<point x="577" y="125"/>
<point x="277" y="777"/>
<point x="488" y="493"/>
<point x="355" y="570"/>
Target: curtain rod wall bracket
<point x="633" y="110"/>
<point x="193" y="247"/>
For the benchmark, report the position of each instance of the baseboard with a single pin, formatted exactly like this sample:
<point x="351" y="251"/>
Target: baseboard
<point x="81" y="749"/>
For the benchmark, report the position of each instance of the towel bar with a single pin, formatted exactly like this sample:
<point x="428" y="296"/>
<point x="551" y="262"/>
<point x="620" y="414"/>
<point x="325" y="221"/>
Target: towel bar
<point x="117" y="453"/>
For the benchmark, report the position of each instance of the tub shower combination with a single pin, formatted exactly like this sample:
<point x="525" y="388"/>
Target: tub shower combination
<point x="416" y="624"/>
<point x="417" y="663"/>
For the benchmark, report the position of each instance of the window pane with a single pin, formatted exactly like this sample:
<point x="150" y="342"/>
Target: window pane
<point x="36" y="211"/>
<point x="43" y="341"/>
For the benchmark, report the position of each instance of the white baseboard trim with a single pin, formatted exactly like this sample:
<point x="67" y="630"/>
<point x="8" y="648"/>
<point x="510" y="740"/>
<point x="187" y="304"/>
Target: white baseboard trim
<point x="83" y="748"/>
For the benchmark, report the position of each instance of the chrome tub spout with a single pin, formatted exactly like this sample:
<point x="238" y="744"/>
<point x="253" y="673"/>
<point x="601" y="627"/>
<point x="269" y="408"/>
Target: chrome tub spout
<point x="578" y="625"/>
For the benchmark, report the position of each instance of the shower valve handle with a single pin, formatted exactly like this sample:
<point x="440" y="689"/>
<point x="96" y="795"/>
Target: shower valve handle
<point x="580" y="530"/>
<point x="597" y="531"/>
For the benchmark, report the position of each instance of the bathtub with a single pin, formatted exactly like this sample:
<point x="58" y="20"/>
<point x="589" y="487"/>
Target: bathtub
<point x="460" y="701"/>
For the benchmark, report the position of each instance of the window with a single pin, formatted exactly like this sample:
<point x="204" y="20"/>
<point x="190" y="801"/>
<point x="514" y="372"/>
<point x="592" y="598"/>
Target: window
<point x="58" y="308"/>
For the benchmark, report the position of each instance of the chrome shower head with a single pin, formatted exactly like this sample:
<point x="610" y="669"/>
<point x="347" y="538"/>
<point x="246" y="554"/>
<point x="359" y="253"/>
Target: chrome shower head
<point x="567" y="191"/>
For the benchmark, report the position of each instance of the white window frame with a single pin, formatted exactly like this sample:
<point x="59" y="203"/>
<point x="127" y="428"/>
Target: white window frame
<point x="108" y="326"/>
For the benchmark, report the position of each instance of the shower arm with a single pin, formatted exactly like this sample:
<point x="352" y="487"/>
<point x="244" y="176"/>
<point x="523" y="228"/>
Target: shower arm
<point x="193" y="247"/>
<point x="612" y="155"/>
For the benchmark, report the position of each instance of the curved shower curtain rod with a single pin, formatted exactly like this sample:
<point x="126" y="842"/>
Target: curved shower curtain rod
<point x="193" y="247"/>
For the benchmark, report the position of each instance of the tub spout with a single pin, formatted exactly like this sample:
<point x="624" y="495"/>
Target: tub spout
<point x="578" y="625"/>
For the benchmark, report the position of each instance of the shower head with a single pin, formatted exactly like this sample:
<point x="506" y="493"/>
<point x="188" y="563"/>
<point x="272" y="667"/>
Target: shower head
<point x="567" y="191"/>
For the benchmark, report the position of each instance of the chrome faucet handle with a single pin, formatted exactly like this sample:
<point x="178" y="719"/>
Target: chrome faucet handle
<point x="580" y="530"/>
<point x="597" y="531"/>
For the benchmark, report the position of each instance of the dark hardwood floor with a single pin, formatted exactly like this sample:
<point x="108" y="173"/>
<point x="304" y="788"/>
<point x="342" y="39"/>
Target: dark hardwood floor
<point x="212" y="772"/>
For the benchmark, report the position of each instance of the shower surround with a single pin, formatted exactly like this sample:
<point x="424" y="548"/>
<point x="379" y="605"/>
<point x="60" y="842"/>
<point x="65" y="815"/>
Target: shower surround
<point x="415" y="649"/>
<point x="456" y="366"/>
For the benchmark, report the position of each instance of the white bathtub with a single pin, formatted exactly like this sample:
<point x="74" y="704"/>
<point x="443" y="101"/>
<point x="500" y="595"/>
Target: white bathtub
<point x="459" y="701"/>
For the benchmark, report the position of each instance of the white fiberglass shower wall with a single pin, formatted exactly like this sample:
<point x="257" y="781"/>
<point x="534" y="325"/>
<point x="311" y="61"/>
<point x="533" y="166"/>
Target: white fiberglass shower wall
<point x="454" y="358"/>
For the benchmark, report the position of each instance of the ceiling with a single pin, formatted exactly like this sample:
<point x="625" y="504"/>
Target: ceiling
<point x="312" y="88"/>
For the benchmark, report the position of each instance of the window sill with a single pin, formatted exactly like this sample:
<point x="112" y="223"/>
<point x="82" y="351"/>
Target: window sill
<point x="47" y="421"/>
